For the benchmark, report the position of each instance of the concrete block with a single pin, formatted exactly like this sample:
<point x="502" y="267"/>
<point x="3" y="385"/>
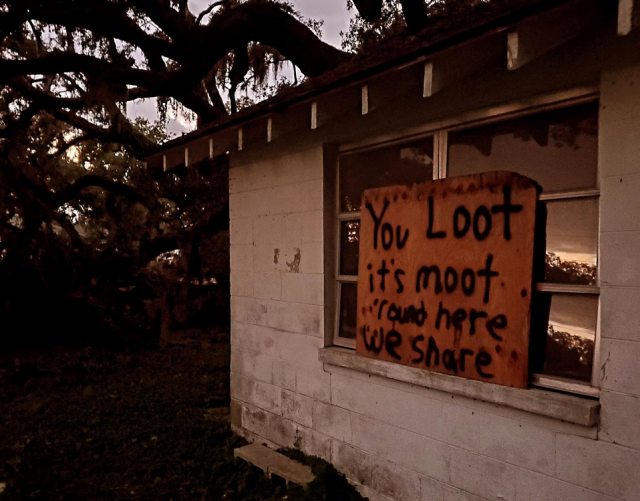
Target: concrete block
<point x="620" y="370"/>
<point x="620" y="419"/>
<point x="620" y="313"/>
<point x="619" y="264"/>
<point x="300" y="349"/>
<point x="248" y="311"/>
<point x="354" y="463"/>
<point x="407" y="449"/>
<point x="314" y="383"/>
<point x="297" y="408"/>
<point x="620" y="94"/>
<point x="265" y="340"/>
<point x="255" y="420"/>
<point x="242" y="335"/>
<point x="241" y="231"/>
<point x="619" y="147"/>
<point x="313" y="443"/>
<point x="274" y="463"/>
<point x="482" y="476"/>
<point x="620" y="203"/>
<point x="311" y="226"/>
<point x="267" y="285"/>
<point x="266" y="257"/>
<point x="241" y="257"/>
<point x="296" y="317"/>
<point x="275" y="171"/>
<point x="531" y="486"/>
<point x="269" y="230"/>
<point x="505" y="439"/>
<point x="432" y="490"/>
<point x="281" y="431"/>
<point x="256" y="393"/>
<point x="312" y="258"/>
<point x="332" y="421"/>
<point x="284" y="375"/>
<point x="599" y="466"/>
<point x="283" y="199"/>
<point x="303" y="288"/>
<point x="242" y="283"/>
<point x="256" y="366"/>
<point x="241" y="387"/>
<point x="394" y="481"/>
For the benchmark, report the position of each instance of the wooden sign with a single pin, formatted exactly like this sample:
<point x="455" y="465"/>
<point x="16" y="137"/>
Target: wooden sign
<point x="445" y="276"/>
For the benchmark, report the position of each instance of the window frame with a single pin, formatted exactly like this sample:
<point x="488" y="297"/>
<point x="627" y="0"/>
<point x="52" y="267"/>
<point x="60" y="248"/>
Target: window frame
<point x="440" y="131"/>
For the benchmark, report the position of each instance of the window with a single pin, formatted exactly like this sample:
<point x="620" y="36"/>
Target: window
<point x="557" y="148"/>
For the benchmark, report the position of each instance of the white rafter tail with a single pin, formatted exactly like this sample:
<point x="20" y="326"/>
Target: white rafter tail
<point x="240" y="139"/>
<point x="364" y="92"/>
<point x="186" y="157"/>
<point x="314" y="115"/>
<point x="628" y="16"/>
<point x="269" y="129"/>
<point x="211" y="148"/>
<point x="548" y="31"/>
<point x="164" y="163"/>
<point x="427" y="83"/>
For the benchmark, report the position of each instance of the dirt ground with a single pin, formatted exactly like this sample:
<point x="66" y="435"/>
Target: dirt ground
<point x="86" y="424"/>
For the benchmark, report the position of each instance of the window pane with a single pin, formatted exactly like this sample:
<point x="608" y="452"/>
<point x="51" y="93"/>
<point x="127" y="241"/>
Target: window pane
<point x="557" y="148"/>
<point x="349" y="247"/>
<point x="572" y="241"/>
<point x="567" y="350"/>
<point x="401" y="164"/>
<point x="348" y="304"/>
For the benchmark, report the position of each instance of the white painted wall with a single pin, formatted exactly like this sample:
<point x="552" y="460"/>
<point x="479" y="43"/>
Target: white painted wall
<point x="402" y="442"/>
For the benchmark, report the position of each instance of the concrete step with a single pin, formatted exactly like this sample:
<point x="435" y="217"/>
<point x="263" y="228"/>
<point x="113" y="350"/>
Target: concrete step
<point x="274" y="463"/>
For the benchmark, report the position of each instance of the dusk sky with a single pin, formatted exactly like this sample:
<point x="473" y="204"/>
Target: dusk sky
<point x="333" y="12"/>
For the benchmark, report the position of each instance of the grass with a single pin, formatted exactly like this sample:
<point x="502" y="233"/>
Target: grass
<point x="82" y="424"/>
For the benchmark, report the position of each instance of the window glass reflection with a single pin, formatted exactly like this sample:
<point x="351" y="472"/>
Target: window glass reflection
<point x="403" y="164"/>
<point x="572" y="242"/>
<point x="571" y="334"/>
<point x="348" y="300"/>
<point x="349" y="247"/>
<point x="557" y="148"/>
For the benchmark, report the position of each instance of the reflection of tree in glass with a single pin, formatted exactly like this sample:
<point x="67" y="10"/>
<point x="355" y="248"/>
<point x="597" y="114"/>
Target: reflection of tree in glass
<point x="353" y="231"/>
<point x="569" y="272"/>
<point x="568" y="355"/>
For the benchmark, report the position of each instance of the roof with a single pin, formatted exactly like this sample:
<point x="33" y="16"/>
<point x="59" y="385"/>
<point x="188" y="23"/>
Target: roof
<point x="442" y="33"/>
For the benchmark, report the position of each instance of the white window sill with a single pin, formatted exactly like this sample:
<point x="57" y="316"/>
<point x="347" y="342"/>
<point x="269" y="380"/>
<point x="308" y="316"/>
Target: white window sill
<point x="570" y="408"/>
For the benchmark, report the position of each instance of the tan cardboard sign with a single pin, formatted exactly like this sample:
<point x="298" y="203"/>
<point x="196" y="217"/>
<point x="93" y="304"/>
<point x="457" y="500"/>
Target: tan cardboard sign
<point x="445" y="276"/>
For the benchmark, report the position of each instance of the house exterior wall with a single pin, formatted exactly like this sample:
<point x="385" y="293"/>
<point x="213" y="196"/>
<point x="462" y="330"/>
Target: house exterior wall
<point x="398" y="441"/>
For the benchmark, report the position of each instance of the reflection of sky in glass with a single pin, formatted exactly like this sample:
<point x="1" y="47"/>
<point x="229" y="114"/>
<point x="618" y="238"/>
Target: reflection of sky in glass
<point x="574" y="314"/>
<point x="349" y="247"/>
<point x="558" y="149"/>
<point x="572" y="230"/>
<point x="406" y="164"/>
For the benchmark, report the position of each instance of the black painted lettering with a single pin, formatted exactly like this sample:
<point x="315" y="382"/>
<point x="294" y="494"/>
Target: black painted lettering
<point x="449" y="360"/>
<point x="481" y="213"/>
<point x="387" y="236"/>
<point x="382" y="305"/>
<point x="401" y="242"/>
<point x="464" y="353"/>
<point x="432" y="349"/>
<point x="443" y="311"/>
<point x="392" y="341"/>
<point x="430" y="232"/>
<point x="473" y="316"/>
<point x="468" y="281"/>
<point x="497" y="322"/>
<point x="488" y="273"/>
<point x="383" y="272"/>
<point x="397" y="274"/>
<point x="417" y="349"/>
<point x="370" y="345"/>
<point x="507" y="208"/>
<point x="459" y="316"/>
<point x="422" y="280"/>
<point x="376" y="220"/>
<point x="458" y="231"/>
<point x="483" y="359"/>
<point x="450" y="279"/>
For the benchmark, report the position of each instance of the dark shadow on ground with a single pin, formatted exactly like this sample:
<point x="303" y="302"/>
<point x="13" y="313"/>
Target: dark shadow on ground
<point x="86" y="424"/>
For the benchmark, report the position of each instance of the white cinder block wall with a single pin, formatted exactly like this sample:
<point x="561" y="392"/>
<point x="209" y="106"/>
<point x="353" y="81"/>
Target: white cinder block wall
<point x="408" y="443"/>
